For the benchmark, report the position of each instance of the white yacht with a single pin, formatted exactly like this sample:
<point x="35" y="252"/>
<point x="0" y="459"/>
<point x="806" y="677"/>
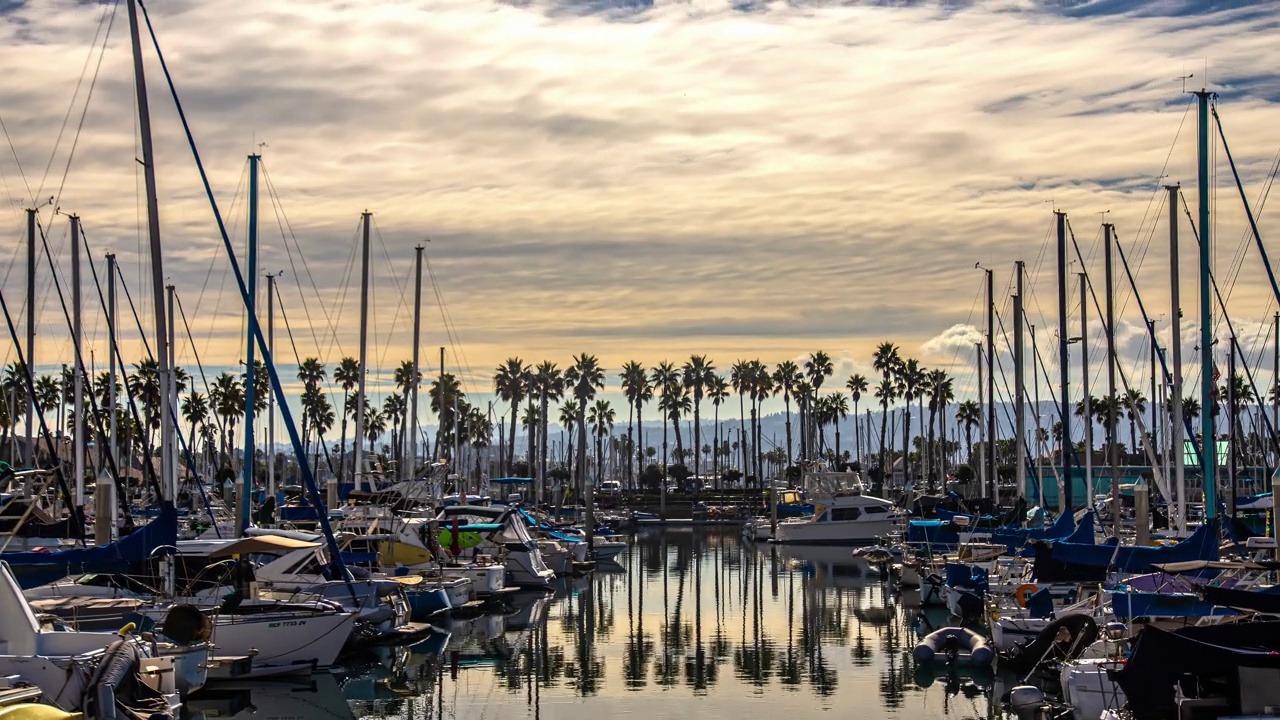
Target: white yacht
<point x="843" y="514"/>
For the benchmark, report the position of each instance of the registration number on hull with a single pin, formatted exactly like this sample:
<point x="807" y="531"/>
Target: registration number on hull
<point x="287" y="623"/>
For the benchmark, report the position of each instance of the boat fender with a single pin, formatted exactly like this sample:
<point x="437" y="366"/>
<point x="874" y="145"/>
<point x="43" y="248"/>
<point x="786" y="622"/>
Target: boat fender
<point x="1025" y="591"/>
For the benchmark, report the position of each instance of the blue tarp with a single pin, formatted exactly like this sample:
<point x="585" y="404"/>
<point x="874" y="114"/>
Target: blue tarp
<point x="940" y="533"/>
<point x="1202" y="545"/>
<point x="33" y="569"/>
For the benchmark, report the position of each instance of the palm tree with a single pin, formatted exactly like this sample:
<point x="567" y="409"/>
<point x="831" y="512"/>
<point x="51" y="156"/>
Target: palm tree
<point x="602" y="417"/>
<point x="195" y="408"/>
<point x="817" y="368"/>
<point x="511" y="382"/>
<point x="227" y="398"/>
<point x="347" y="374"/>
<point x="48" y="394"/>
<point x="374" y="426"/>
<point x="886" y="392"/>
<point x="395" y="410"/>
<point x="761" y="389"/>
<point x="548" y="384"/>
<point x="406" y="380"/>
<point x="666" y="379"/>
<point x="447" y="400"/>
<point x="636" y="388"/>
<point x="586" y="377"/>
<point x="969" y="414"/>
<point x="740" y="379"/>
<point x="837" y="409"/>
<point x="943" y="392"/>
<point x="857" y="386"/>
<point x="718" y="392"/>
<point x="932" y="384"/>
<point x="697" y="374"/>
<point x="886" y="361"/>
<point x="912" y="377"/>
<point x="1134" y="405"/>
<point x="674" y="404"/>
<point x="1107" y="411"/>
<point x="319" y="416"/>
<point x="568" y="418"/>
<point x="785" y="378"/>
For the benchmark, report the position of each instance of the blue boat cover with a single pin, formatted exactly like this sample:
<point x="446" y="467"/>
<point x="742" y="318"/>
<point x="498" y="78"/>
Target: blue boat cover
<point x="158" y="537"/>
<point x="1201" y="545"/>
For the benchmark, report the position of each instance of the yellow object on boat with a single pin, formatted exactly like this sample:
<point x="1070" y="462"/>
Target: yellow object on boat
<point x="36" y="711"/>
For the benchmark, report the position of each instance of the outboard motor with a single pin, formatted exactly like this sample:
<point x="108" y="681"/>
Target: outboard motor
<point x="1027" y="702"/>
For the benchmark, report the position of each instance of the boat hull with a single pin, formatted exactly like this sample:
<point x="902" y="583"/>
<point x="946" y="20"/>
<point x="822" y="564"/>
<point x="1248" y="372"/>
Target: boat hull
<point x="852" y="532"/>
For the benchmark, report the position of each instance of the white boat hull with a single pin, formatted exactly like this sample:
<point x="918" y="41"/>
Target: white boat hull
<point x="837" y="532"/>
<point x="277" y="640"/>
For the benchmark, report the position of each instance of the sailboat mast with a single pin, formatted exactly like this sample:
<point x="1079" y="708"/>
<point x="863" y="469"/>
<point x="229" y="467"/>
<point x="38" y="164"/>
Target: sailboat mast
<point x="1064" y="499"/>
<point x="991" y="390"/>
<point x="112" y="379"/>
<point x="1019" y="385"/>
<point x="364" y="348"/>
<point x="29" y="451"/>
<point x="1209" y="456"/>
<point x="251" y="309"/>
<point x="1086" y="398"/>
<point x="1113" y="454"/>
<point x="271" y="397"/>
<point x="78" y="331"/>
<point x="411" y="462"/>
<point x="163" y="371"/>
<point x="1176" y="441"/>
<point x="984" y="443"/>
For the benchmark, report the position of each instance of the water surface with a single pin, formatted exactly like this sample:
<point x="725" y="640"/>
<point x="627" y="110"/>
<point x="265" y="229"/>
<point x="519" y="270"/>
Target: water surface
<point x="687" y="623"/>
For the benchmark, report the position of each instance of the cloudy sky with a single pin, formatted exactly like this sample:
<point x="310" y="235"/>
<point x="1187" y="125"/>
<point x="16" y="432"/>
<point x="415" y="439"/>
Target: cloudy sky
<point x="640" y="181"/>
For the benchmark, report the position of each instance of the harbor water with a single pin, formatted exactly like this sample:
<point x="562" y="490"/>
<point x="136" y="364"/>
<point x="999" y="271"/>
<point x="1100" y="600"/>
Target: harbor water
<point x="687" y="623"/>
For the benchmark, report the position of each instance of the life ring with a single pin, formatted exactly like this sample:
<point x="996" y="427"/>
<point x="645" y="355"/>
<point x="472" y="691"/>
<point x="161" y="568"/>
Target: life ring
<point x="1023" y="591"/>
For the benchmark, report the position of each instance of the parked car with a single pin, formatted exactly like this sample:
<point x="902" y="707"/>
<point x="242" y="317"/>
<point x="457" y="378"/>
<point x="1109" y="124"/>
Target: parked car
<point x="611" y="488"/>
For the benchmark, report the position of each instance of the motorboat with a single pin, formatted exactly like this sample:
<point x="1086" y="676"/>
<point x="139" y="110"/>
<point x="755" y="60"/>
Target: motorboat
<point x="845" y="517"/>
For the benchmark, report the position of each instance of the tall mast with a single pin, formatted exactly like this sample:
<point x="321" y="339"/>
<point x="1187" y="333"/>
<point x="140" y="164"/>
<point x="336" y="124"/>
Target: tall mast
<point x="163" y="370"/>
<point x="364" y="347"/>
<point x="112" y="440"/>
<point x="1035" y="384"/>
<point x="251" y="310"/>
<point x="984" y="447"/>
<point x="411" y="462"/>
<point x="1019" y="386"/>
<point x="78" y="331"/>
<point x="1064" y="500"/>
<point x="271" y="397"/>
<point x="29" y="451"/>
<point x="1087" y="398"/>
<point x="1176" y="440"/>
<point x="991" y="389"/>
<point x="1209" y="456"/>
<point x="1113" y="454"/>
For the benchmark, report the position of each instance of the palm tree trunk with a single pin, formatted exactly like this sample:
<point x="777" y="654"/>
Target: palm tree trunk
<point x="511" y="437"/>
<point x="742" y="432"/>
<point x="884" y="417"/>
<point x="542" y="439"/>
<point x="631" y="411"/>
<point x="786" y="399"/>
<point x="715" y="450"/>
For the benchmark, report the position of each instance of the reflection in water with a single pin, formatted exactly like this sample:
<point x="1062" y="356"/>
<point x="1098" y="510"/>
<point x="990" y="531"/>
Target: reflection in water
<point x="687" y="621"/>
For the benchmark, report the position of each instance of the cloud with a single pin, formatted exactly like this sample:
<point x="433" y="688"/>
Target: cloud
<point x="641" y="181"/>
<point x="959" y="338"/>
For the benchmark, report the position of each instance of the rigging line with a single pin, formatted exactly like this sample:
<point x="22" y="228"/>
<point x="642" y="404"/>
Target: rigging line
<point x="108" y="19"/>
<point x="450" y="330"/>
<point x="282" y="219"/>
<point x="1137" y="266"/>
<point x="95" y="410"/>
<point x="1191" y="101"/>
<point x="16" y="160"/>
<point x="213" y="259"/>
<point x="204" y="378"/>
<point x="29" y="376"/>
<point x="347" y="274"/>
<point x="402" y="305"/>
<point x="1102" y="321"/>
